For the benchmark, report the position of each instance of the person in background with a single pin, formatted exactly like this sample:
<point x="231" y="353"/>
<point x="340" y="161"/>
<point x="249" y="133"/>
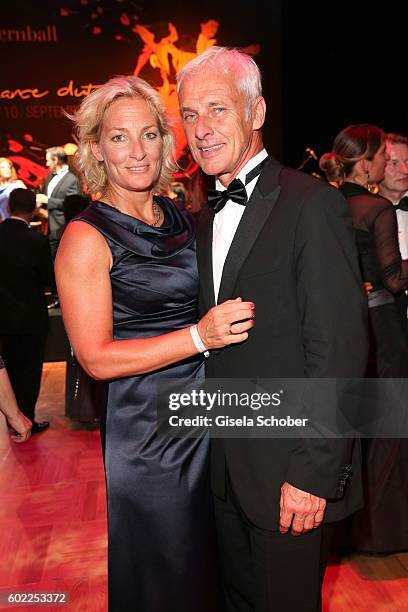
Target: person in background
<point x="394" y="187"/>
<point x="60" y="183"/>
<point x="26" y="271"/>
<point x="8" y="182"/>
<point x="178" y="192"/>
<point x="357" y="160"/>
<point x="83" y="394"/>
<point x="197" y="190"/>
<point x="8" y="406"/>
<point x="74" y="205"/>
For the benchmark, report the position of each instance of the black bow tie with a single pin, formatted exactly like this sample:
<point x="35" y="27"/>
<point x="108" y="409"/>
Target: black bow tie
<point x="402" y="204"/>
<point x="235" y="190"/>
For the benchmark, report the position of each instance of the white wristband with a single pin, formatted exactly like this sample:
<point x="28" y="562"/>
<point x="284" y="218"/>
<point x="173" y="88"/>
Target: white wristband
<point x="198" y="343"/>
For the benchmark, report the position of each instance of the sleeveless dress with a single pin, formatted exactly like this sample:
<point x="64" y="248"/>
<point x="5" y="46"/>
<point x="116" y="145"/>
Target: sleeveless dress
<point x="159" y="509"/>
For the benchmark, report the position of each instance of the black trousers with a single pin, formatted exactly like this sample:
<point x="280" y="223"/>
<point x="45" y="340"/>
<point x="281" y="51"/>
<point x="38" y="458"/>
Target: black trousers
<point x="54" y="244"/>
<point x="266" y="571"/>
<point x="23" y="356"/>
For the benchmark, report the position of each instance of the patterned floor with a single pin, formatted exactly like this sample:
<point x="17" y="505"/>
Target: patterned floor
<point x="53" y="523"/>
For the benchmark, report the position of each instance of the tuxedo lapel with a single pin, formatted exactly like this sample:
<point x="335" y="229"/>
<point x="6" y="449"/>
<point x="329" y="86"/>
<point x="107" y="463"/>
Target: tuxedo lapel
<point x="60" y="184"/>
<point x="257" y="211"/>
<point x="204" y="257"/>
<point x="47" y="182"/>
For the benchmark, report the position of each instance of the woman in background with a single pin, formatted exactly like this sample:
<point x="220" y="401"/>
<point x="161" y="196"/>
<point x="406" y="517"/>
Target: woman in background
<point x="8" y="182"/>
<point x="356" y="162"/>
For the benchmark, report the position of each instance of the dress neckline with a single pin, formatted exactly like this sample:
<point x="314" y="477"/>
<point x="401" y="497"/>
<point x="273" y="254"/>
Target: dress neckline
<point x="349" y="189"/>
<point x="162" y="202"/>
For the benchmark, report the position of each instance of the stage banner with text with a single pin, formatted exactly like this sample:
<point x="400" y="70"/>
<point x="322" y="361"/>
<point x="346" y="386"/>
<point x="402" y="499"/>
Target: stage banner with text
<point x="55" y="52"/>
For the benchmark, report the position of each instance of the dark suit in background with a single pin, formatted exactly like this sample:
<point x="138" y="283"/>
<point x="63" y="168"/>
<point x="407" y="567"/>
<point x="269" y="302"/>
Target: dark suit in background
<point x="68" y="185"/>
<point x="26" y="269"/>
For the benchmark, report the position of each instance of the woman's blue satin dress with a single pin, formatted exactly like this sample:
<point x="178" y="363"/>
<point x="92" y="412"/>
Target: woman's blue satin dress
<point x="159" y="509"/>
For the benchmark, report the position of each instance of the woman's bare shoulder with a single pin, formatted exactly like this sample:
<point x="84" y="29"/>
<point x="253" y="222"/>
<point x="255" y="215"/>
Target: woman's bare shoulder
<point x="82" y="243"/>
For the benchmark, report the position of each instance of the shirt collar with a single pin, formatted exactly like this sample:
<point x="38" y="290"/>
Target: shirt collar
<point x="250" y="165"/>
<point x="404" y="195"/>
<point x="19" y="219"/>
<point x="62" y="170"/>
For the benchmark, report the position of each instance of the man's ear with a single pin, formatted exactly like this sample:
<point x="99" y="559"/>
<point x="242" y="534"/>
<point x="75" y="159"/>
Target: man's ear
<point x="259" y="113"/>
<point x="96" y="151"/>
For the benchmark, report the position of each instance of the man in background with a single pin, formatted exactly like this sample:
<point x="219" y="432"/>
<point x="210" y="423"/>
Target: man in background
<point x="25" y="273"/>
<point x="60" y="183"/>
<point x="394" y="187"/>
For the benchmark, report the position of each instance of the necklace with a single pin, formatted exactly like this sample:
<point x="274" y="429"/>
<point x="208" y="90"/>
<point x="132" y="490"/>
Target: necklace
<point x="155" y="207"/>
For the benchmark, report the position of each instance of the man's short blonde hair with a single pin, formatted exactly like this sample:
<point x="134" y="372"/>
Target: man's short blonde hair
<point x="227" y="61"/>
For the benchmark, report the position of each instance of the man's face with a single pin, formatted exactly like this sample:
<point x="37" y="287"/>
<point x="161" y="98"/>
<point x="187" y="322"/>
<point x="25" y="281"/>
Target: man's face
<point x="396" y="170"/>
<point x="221" y="136"/>
<point x="51" y="162"/>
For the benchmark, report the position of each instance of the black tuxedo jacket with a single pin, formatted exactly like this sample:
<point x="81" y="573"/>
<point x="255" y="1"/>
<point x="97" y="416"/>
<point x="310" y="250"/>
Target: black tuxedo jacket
<point x="26" y="269"/>
<point x="68" y="185"/>
<point x="293" y="255"/>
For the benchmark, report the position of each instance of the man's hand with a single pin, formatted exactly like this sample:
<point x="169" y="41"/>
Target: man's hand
<point x="300" y="511"/>
<point x="41" y="199"/>
<point x="43" y="213"/>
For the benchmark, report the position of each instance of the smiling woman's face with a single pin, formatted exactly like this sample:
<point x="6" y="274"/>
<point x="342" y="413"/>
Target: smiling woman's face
<point x="130" y="145"/>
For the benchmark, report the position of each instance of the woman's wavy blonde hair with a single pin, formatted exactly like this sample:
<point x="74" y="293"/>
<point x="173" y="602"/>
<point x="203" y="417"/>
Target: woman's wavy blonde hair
<point x="88" y="123"/>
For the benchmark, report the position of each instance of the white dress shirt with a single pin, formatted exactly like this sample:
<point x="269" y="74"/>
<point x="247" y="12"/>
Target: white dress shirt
<point x="402" y="218"/>
<point x="56" y="179"/>
<point x="227" y="220"/>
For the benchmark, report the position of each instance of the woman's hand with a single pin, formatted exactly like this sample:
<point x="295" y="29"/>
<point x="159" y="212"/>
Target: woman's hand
<point x="84" y="287"/>
<point x="21" y="425"/>
<point x="227" y="323"/>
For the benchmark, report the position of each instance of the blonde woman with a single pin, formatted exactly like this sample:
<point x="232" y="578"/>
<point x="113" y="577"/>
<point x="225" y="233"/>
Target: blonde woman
<point x="127" y="281"/>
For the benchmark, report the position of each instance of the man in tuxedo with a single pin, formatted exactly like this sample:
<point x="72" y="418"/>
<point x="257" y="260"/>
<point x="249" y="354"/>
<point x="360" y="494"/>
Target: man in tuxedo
<point x="26" y="270"/>
<point x="283" y="240"/>
<point x="60" y="183"/>
<point x="394" y="187"/>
